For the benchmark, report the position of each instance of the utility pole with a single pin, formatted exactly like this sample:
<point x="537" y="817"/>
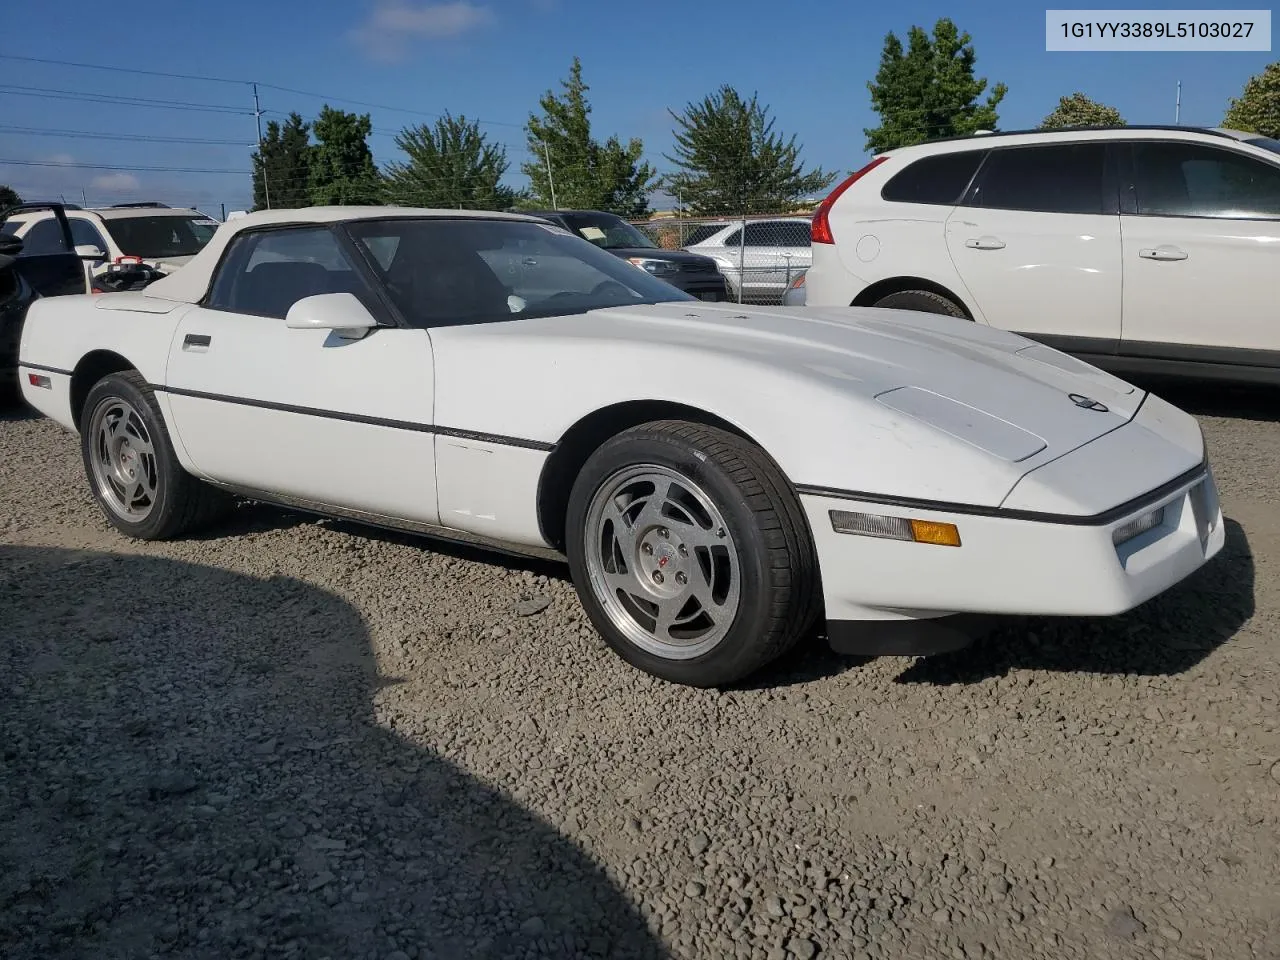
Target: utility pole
<point x="546" y="154"/>
<point x="266" y="181"/>
<point x="83" y="201"/>
<point x="224" y="212"/>
<point x="1177" y="106"/>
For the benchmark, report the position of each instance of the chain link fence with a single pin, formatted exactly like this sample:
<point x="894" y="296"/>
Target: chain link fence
<point x="761" y="257"/>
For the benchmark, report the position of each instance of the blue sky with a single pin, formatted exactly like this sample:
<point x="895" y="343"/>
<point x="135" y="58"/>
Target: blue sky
<point x="492" y="59"/>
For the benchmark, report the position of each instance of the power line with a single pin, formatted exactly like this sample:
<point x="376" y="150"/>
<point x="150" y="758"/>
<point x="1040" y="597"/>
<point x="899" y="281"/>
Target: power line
<point x="124" y="137"/>
<point x="122" y="101"/>
<point x="74" y="165"/>
<point x="100" y="66"/>
<point x="268" y="86"/>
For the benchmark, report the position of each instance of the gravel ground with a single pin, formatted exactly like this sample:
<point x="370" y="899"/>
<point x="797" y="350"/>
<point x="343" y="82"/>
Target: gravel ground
<point x="297" y="738"/>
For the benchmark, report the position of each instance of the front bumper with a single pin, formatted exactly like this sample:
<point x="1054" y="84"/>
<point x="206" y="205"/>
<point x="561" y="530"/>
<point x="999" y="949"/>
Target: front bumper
<point x="1005" y="565"/>
<point x="711" y="287"/>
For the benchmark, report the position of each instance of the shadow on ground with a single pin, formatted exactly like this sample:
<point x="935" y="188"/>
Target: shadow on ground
<point x="1168" y="634"/>
<point x="189" y="764"/>
<point x="1203" y="398"/>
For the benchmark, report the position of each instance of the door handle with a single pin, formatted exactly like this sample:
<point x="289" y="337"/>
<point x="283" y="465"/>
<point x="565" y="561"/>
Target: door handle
<point x="196" y="340"/>
<point x="1164" y="252"/>
<point x="984" y="243"/>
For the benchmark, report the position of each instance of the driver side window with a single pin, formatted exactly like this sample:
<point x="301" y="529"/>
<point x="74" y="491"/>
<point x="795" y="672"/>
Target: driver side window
<point x="266" y="272"/>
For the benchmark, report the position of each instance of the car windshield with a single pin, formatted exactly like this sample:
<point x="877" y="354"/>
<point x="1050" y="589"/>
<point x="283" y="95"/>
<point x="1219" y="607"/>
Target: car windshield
<point x="153" y="237"/>
<point x="441" y="270"/>
<point x="609" y="233"/>
<point x="1266" y="143"/>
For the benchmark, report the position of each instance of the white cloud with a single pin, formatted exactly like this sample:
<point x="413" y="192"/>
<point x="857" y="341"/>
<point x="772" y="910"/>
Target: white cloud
<point x="394" y="24"/>
<point x="115" y="183"/>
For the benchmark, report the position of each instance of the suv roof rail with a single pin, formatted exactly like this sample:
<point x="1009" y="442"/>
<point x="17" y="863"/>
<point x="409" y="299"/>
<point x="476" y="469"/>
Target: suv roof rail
<point x="39" y="205"/>
<point x="141" y="203"/>
<point x="984" y="134"/>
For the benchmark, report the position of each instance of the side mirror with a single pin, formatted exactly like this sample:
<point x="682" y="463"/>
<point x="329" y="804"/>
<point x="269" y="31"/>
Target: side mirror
<point x="10" y="246"/>
<point x="88" y="251"/>
<point x="343" y="313"/>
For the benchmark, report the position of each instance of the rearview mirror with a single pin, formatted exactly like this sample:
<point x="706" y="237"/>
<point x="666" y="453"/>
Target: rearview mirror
<point x="89" y="251"/>
<point x="10" y="246"/>
<point x="343" y="313"/>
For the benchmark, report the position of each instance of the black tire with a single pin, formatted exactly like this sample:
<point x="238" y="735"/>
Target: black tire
<point x="182" y="503"/>
<point x="925" y="301"/>
<point x="780" y="584"/>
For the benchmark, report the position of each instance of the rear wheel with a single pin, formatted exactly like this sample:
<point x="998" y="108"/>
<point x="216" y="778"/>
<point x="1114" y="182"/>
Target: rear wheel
<point x="925" y="301"/>
<point x="129" y="459"/>
<point x="690" y="553"/>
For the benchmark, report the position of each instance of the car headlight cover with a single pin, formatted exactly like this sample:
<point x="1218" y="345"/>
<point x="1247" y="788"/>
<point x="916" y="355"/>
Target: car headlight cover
<point x="1137" y="526"/>
<point x="650" y="265"/>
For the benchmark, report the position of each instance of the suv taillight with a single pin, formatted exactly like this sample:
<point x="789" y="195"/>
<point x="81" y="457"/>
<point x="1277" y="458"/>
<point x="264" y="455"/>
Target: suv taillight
<point x="820" y="229"/>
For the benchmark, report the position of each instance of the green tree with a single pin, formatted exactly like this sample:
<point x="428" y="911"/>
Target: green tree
<point x="282" y="163"/>
<point x="342" y="167"/>
<point x="1257" y="109"/>
<point x="449" y="165"/>
<point x="583" y="172"/>
<point x="1078" y="110"/>
<point x="930" y="90"/>
<point x="8" y="196"/>
<point x="732" y="162"/>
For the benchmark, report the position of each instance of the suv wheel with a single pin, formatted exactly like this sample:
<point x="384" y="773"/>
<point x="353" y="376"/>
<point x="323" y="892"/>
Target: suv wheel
<point x="925" y="301"/>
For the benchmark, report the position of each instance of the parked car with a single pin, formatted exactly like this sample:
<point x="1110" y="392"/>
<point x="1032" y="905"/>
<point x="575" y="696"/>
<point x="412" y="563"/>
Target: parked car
<point x="694" y="274"/>
<point x="761" y="258"/>
<point x="27" y="275"/>
<point x="718" y="477"/>
<point x="147" y="232"/>
<point x="1146" y="249"/>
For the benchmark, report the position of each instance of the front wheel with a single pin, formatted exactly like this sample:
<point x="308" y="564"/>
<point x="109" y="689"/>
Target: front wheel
<point x="690" y="553"/>
<point x="129" y="459"/>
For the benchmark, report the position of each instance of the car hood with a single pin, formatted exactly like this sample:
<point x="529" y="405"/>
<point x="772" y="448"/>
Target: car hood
<point x="168" y="265"/>
<point x="1007" y="395"/>
<point x="880" y="401"/>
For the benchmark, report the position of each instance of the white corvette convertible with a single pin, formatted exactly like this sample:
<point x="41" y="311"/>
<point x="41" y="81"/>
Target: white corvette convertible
<point x="719" y="478"/>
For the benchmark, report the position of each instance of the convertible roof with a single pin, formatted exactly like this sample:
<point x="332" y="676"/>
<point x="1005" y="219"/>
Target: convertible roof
<point x="189" y="283"/>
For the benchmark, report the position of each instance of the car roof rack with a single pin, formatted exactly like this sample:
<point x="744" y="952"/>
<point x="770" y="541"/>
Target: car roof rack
<point x="154" y="204"/>
<point x="986" y="134"/>
<point x="53" y="205"/>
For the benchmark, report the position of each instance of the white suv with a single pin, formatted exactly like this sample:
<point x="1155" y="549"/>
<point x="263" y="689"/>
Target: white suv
<point x="151" y="233"/>
<point x="1147" y="249"/>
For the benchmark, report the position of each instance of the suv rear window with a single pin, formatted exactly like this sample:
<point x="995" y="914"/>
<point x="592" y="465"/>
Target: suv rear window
<point x="1057" y="178"/>
<point x="162" y="236"/>
<point x="938" y="179"/>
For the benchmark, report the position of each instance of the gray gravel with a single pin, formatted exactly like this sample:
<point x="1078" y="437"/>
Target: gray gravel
<point x="297" y="738"/>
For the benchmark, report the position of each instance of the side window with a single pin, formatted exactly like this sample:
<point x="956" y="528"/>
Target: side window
<point x="762" y="235"/>
<point x="794" y="234"/>
<point x="1193" y="180"/>
<point x="939" y="179"/>
<point x="44" y="239"/>
<point x="265" y="273"/>
<point x="733" y="239"/>
<point x="84" y="233"/>
<point x="1057" y="178"/>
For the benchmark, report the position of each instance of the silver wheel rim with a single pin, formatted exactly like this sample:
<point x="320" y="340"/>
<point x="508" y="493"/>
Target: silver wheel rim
<point x="662" y="562"/>
<point x="123" y="460"/>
